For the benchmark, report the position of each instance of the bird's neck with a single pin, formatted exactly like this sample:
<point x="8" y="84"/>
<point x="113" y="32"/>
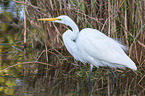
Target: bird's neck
<point x="75" y="29"/>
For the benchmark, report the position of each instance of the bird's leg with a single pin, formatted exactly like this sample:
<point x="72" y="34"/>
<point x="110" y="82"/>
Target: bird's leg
<point x="115" y="77"/>
<point x="89" y="80"/>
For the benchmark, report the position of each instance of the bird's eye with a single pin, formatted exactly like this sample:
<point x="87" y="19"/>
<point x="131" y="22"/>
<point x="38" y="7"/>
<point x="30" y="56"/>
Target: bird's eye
<point x="59" y="19"/>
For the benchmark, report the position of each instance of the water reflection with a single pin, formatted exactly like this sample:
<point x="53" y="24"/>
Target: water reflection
<point x="11" y="7"/>
<point x="10" y="78"/>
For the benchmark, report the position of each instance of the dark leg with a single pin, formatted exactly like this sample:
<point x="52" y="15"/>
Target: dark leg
<point x="115" y="77"/>
<point x="89" y="80"/>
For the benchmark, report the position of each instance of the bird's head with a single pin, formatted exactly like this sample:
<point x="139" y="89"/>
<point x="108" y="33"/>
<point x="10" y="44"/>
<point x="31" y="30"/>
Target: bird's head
<point x="64" y="20"/>
<point x="60" y="19"/>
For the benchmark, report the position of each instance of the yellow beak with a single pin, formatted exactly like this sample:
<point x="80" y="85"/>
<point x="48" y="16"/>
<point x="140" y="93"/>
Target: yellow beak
<point x="48" y="19"/>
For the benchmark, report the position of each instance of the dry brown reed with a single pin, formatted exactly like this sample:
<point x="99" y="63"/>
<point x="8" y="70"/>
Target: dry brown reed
<point x="120" y="19"/>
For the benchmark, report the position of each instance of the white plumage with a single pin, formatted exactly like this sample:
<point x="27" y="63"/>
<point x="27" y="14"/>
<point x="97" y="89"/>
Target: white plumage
<point x="93" y="47"/>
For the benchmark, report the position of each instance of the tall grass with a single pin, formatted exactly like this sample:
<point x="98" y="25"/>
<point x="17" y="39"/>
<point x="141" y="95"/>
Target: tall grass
<point x="120" y="19"/>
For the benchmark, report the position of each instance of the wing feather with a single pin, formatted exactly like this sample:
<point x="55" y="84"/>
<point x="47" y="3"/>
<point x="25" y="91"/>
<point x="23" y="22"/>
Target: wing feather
<point x="100" y="47"/>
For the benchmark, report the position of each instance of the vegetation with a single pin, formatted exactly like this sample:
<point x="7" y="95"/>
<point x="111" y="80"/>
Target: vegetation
<point x="49" y="69"/>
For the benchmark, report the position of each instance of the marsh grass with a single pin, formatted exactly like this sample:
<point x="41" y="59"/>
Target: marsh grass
<point x="119" y="19"/>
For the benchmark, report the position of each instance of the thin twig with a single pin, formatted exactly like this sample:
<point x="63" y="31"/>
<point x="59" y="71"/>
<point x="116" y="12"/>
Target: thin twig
<point x="25" y="63"/>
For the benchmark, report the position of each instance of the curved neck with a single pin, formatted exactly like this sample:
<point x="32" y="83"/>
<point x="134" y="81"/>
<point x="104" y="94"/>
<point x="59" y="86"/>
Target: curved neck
<point x="74" y="27"/>
<point x="75" y="30"/>
<point x="68" y="39"/>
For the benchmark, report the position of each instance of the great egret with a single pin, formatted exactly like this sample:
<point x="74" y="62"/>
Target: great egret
<point x="93" y="47"/>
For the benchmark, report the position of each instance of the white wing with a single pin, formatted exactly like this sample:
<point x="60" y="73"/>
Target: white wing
<point x="98" y="49"/>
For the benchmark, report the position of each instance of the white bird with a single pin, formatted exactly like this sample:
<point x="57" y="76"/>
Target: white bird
<point x="93" y="47"/>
